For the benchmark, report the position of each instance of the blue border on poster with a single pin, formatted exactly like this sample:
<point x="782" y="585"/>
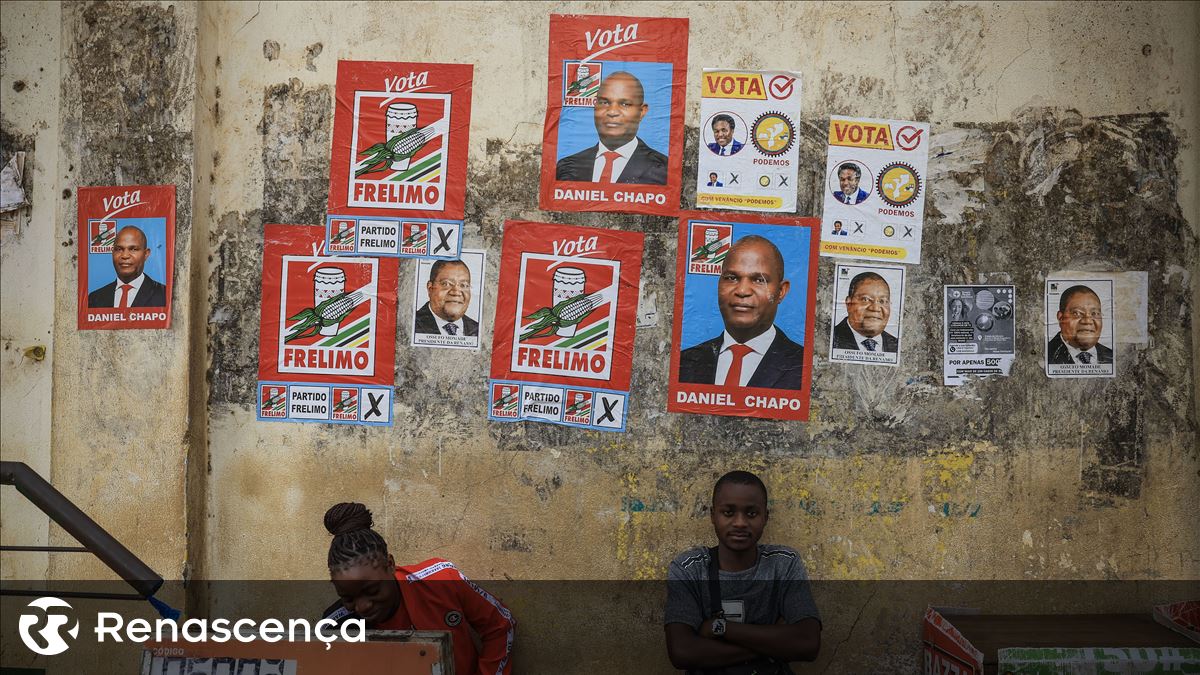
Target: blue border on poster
<point x="397" y="220"/>
<point x="329" y="385"/>
<point x="521" y="384"/>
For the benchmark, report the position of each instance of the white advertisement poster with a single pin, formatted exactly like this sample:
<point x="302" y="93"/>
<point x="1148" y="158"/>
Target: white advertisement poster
<point x="978" y="331"/>
<point x="1080" y="328"/>
<point x="748" y="149"/>
<point x="867" y="303"/>
<point x="875" y="176"/>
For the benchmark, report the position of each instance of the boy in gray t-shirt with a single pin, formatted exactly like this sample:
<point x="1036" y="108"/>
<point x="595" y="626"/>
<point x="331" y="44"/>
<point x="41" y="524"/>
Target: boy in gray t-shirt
<point x="765" y="616"/>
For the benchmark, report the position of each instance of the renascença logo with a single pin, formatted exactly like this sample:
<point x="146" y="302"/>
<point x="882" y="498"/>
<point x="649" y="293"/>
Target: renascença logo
<point x="46" y="627"/>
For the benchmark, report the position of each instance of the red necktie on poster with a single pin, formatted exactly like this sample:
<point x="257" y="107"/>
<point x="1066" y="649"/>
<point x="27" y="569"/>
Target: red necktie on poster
<point x="125" y="295"/>
<point x="610" y="158"/>
<point x="734" y="377"/>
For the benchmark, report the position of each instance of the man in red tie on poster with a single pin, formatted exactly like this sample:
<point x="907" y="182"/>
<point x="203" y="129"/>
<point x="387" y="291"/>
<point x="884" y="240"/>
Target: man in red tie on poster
<point x="132" y="287"/>
<point x="752" y="351"/>
<point x="620" y="156"/>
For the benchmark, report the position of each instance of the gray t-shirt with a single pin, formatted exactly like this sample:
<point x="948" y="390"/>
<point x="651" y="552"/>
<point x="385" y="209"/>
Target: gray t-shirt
<point x="776" y="587"/>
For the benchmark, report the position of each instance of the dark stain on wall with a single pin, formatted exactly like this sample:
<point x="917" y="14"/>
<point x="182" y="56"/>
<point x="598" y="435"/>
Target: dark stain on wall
<point x="296" y="126"/>
<point x="235" y="292"/>
<point x="131" y="91"/>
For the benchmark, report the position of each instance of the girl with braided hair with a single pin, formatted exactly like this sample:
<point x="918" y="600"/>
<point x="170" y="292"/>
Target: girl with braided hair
<point x="433" y="595"/>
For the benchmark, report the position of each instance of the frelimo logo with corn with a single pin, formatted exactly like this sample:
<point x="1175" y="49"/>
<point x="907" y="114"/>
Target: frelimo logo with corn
<point x="568" y="308"/>
<point x="330" y="310"/>
<point x="399" y="154"/>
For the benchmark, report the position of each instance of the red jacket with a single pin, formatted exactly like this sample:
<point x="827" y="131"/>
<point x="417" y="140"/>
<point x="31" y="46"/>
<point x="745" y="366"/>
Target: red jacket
<point x="437" y="596"/>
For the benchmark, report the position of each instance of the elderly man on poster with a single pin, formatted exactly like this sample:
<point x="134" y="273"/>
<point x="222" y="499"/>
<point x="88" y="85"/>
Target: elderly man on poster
<point x="752" y="351"/>
<point x="132" y="287"/>
<point x="620" y="156"/>
<point x="868" y="310"/>
<point x="449" y="290"/>
<point x="1080" y="321"/>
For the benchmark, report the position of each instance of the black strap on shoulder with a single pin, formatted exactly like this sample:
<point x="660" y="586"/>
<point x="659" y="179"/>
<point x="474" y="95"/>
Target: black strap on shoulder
<point x="714" y="583"/>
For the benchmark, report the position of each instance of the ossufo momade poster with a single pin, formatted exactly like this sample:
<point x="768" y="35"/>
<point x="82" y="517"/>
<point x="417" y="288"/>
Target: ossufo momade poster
<point x="875" y="175"/>
<point x="1080" y="328"/>
<point x="398" y="166"/>
<point x="447" y="307"/>
<point x="613" y="136"/>
<point x="327" y="339"/>
<point x="566" y="308"/>
<point x="748" y="147"/>
<point x="744" y="307"/>
<point x="868" y="301"/>
<point x="126" y="256"/>
<point x="979" y="331"/>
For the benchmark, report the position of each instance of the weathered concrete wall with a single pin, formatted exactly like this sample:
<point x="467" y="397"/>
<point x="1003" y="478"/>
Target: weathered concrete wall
<point x="29" y="94"/>
<point x="108" y="91"/>
<point x="1053" y="123"/>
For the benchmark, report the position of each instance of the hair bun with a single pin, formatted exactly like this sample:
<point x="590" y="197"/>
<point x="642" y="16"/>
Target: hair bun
<point x="347" y="517"/>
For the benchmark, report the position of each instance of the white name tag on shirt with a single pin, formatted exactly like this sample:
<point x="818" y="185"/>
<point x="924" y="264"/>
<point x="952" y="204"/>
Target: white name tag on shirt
<point x="735" y="610"/>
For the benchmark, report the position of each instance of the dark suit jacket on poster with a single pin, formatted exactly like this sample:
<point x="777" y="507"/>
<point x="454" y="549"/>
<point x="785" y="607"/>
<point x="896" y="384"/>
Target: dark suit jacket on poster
<point x="151" y="294"/>
<point x="425" y="322"/>
<point x="1058" y="354"/>
<point x="844" y="339"/>
<point x="646" y="166"/>
<point x="858" y="198"/>
<point x="734" y="147"/>
<point x="782" y="367"/>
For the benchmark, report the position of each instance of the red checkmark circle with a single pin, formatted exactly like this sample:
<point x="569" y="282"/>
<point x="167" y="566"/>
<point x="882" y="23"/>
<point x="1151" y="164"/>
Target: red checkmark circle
<point x="909" y="137"/>
<point x="781" y="86"/>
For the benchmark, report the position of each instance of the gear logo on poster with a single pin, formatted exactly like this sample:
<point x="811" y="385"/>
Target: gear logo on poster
<point x="328" y="315"/>
<point x="568" y="309"/>
<point x="773" y="134"/>
<point x="581" y="83"/>
<point x="102" y="235"/>
<point x="899" y="184"/>
<point x="579" y="407"/>
<point x="342" y="239"/>
<point x="400" y="146"/>
<point x="505" y="400"/>
<point x="345" y="403"/>
<point x="415" y="239"/>
<point x="272" y="400"/>
<point x="708" y="243"/>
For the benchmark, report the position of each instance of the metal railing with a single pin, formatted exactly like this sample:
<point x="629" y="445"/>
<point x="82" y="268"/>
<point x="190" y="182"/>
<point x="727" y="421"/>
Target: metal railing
<point x="86" y="531"/>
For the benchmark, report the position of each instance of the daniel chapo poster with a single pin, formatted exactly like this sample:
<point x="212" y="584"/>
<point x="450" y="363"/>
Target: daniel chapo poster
<point x="562" y="347"/>
<point x="327" y="338"/>
<point x="744" y="305"/>
<point x="613" y="137"/>
<point x="126" y="256"/>
<point x="398" y="166"/>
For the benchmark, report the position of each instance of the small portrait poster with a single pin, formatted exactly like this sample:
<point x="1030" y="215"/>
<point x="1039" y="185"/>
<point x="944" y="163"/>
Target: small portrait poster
<point x="613" y="137"/>
<point x="868" y="301"/>
<point x="399" y="154"/>
<point x="979" y="331"/>
<point x="126" y="256"/>
<point x="566" y="310"/>
<point x="447" y="305"/>
<point x="744" y="304"/>
<point x="327" y="346"/>
<point x="1080" y="328"/>
<point x="875" y="175"/>
<point x="748" y="147"/>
